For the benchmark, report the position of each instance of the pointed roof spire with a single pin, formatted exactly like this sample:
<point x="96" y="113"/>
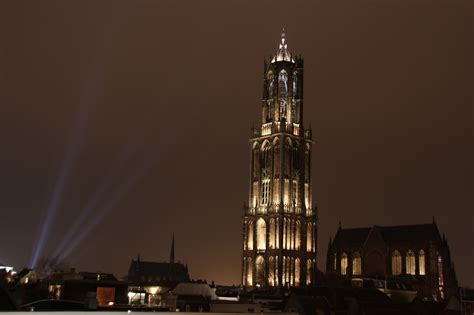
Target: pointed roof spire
<point x="138" y="257"/>
<point x="283" y="54"/>
<point x="172" y="251"/>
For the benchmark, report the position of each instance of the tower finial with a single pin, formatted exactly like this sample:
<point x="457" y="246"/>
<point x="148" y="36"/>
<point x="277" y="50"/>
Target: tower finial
<point x="283" y="45"/>
<point x="172" y="251"/>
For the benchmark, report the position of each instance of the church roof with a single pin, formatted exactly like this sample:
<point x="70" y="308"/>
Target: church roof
<point x="157" y="271"/>
<point x="283" y="54"/>
<point x="391" y="234"/>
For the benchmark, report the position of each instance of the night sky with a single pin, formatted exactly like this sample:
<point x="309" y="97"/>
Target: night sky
<point x="146" y="107"/>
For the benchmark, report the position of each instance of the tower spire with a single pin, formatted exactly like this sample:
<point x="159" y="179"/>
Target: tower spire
<point x="172" y="251"/>
<point x="283" y="54"/>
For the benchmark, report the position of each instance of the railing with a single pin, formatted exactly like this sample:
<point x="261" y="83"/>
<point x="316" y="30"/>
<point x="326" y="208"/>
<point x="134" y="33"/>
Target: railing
<point x="276" y="127"/>
<point x="276" y="208"/>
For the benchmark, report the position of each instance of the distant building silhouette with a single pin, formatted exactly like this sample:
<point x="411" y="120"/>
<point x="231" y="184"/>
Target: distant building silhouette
<point x="170" y="273"/>
<point x="415" y="255"/>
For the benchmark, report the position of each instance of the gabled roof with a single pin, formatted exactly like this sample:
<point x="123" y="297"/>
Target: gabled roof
<point x="420" y="233"/>
<point x="157" y="271"/>
<point x="410" y="233"/>
<point x="351" y="237"/>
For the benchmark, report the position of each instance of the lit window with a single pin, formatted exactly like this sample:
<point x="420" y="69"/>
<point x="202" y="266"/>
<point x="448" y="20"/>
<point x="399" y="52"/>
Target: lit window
<point x="421" y="261"/>
<point x="261" y="234"/>
<point x="297" y="272"/>
<point x="250" y="235"/>
<point x="356" y="264"/>
<point x="265" y="190"/>
<point x="295" y="192"/>
<point x="396" y="263"/>
<point x="272" y="241"/>
<point x="309" y="271"/>
<point x="410" y="263"/>
<point x="309" y="237"/>
<point x="249" y="279"/>
<point x="440" y="277"/>
<point x="298" y="236"/>
<point x="260" y="270"/>
<point x="344" y="264"/>
<point x="271" y="271"/>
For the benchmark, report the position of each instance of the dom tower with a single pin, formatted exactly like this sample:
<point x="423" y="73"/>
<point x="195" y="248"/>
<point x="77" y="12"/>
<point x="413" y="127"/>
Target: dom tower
<point x="279" y="223"/>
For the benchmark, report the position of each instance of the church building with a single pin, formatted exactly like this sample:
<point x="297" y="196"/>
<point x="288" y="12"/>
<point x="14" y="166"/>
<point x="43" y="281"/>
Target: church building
<point x="280" y="221"/>
<point x="416" y="256"/>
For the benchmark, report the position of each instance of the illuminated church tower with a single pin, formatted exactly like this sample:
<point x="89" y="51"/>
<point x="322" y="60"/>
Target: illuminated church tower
<point x="279" y="223"/>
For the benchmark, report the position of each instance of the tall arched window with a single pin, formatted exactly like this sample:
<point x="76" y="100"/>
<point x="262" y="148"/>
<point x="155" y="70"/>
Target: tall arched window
<point x="271" y="239"/>
<point x="297" y="272"/>
<point x="291" y="234"/>
<point x="410" y="262"/>
<point x="283" y="84"/>
<point x="260" y="270"/>
<point x="421" y="262"/>
<point x="356" y="264"/>
<point x="344" y="264"/>
<point x="298" y="235"/>
<point x="270" y="78"/>
<point x="309" y="272"/>
<point x="261" y="234"/>
<point x="271" y="271"/>
<point x="277" y="233"/>
<point x="295" y="83"/>
<point x="288" y="233"/>
<point x="250" y="235"/>
<point x="309" y="237"/>
<point x="249" y="278"/>
<point x="255" y="158"/>
<point x="440" y="277"/>
<point x="396" y="263"/>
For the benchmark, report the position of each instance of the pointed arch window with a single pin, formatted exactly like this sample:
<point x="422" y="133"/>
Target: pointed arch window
<point x="344" y="264"/>
<point x="249" y="276"/>
<point x="260" y="270"/>
<point x="410" y="263"/>
<point x="298" y="235"/>
<point x="271" y="271"/>
<point x="295" y="83"/>
<point x="297" y="272"/>
<point x="440" y="277"/>
<point x="261" y="234"/>
<point x="283" y="84"/>
<point x="396" y="263"/>
<point x="356" y="264"/>
<point x="250" y="235"/>
<point x="309" y="237"/>
<point x="270" y="78"/>
<point x="309" y="271"/>
<point x="421" y="262"/>
<point x="272" y="240"/>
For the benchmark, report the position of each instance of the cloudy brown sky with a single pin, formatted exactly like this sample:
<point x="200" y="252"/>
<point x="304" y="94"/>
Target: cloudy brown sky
<point x="168" y="92"/>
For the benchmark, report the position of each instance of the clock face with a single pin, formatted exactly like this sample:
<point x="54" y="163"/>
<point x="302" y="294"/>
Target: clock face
<point x="265" y="173"/>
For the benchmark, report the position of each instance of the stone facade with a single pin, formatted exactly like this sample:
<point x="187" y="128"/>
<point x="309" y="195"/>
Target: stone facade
<point x="415" y="255"/>
<point x="280" y="221"/>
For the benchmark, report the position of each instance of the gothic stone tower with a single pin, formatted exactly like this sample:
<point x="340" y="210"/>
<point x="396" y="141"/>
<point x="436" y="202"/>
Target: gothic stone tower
<point x="279" y="222"/>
